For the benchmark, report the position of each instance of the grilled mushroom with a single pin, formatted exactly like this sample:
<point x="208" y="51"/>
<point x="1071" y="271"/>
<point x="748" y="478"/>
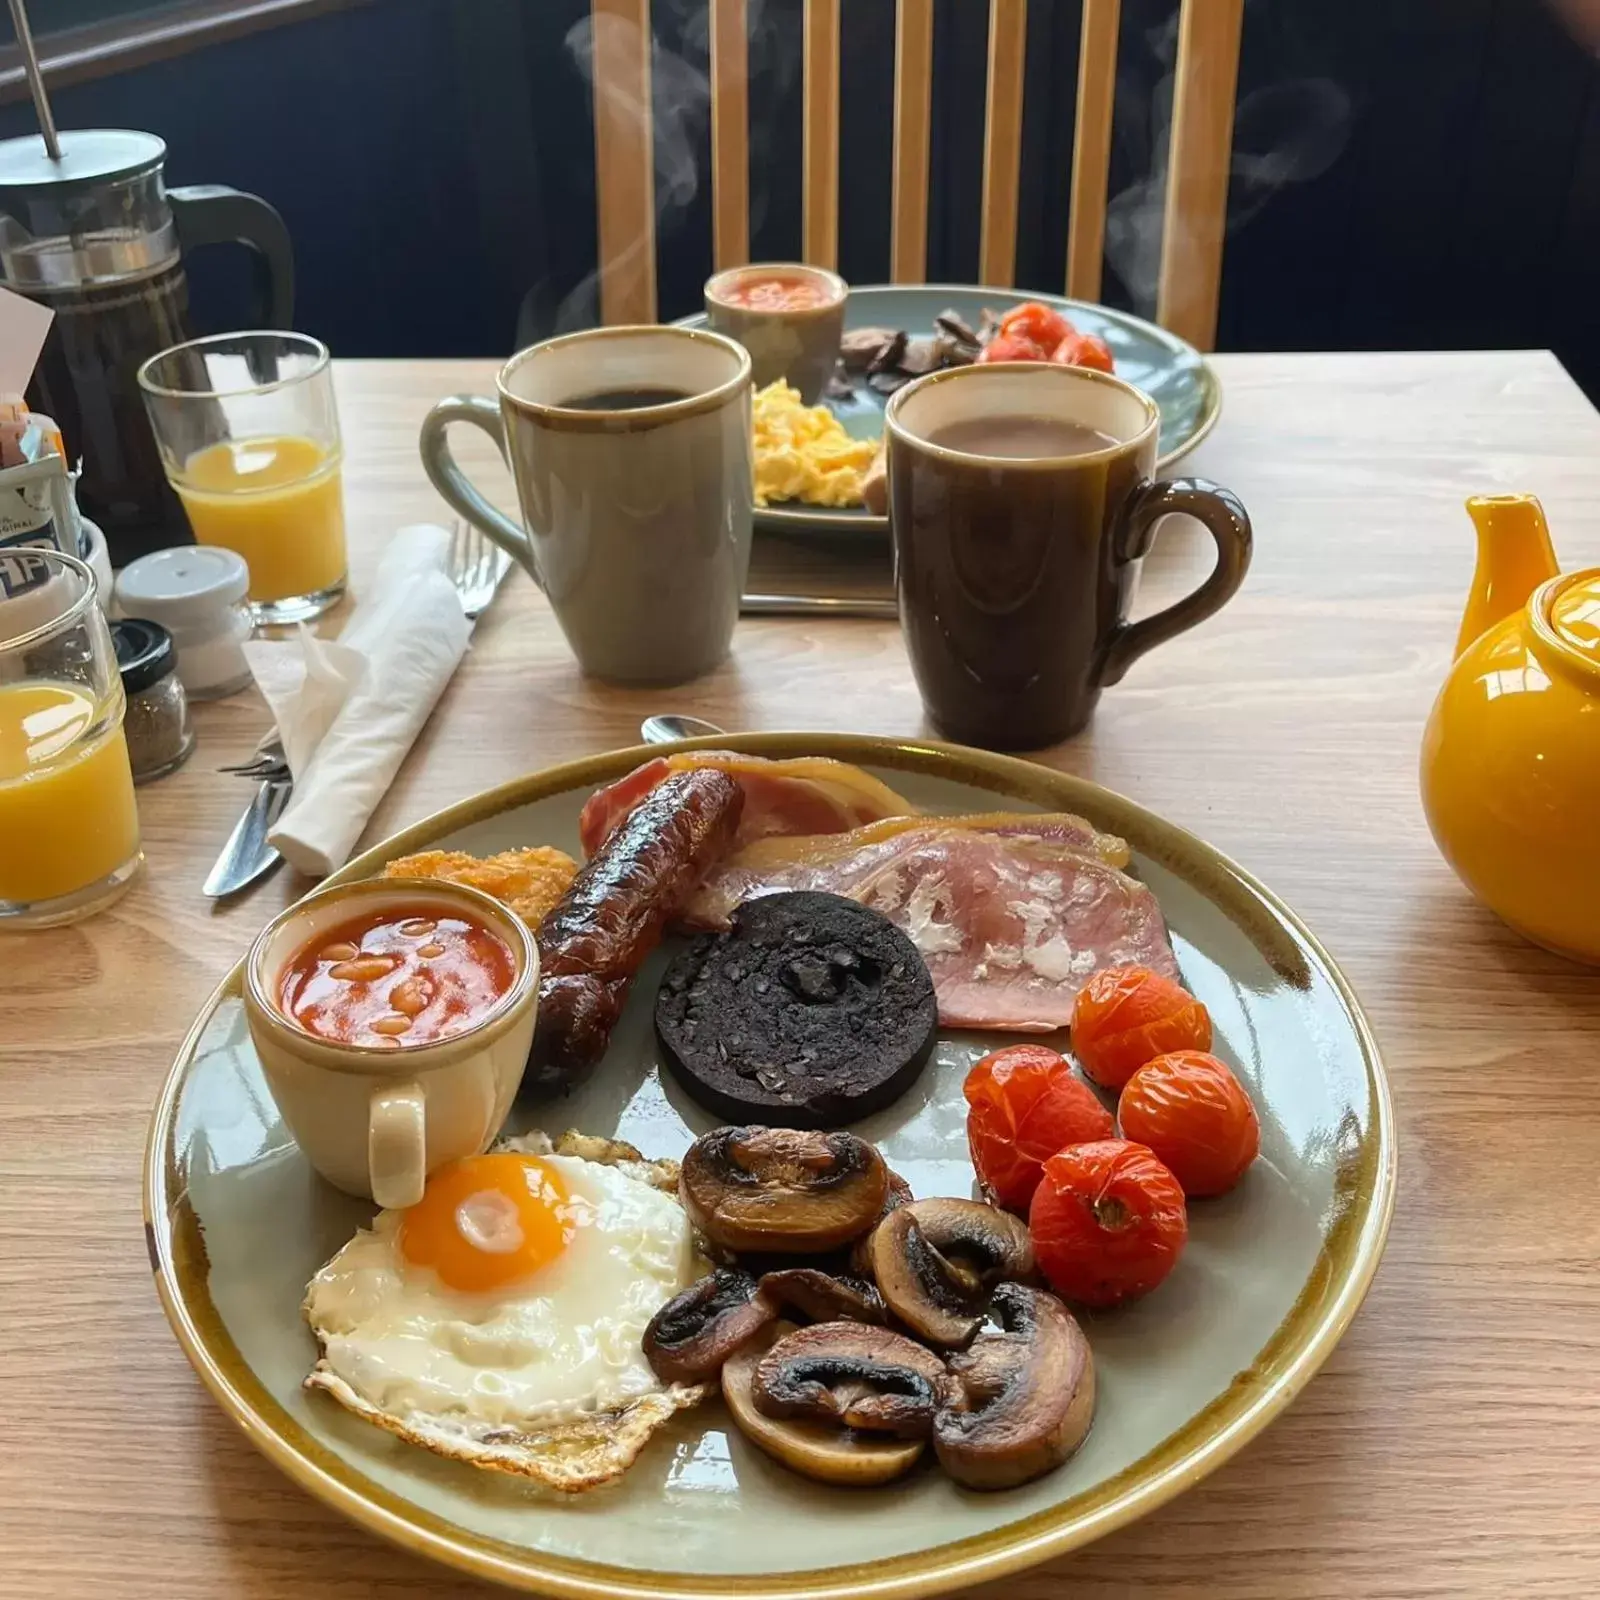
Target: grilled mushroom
<point x="888" y="358"/>
<point x="935" y="1261"/>
<point x="956" y="328"/>
<point x="838" y="386"/>
<point x="698" y="1329"/>
<point x="861" y="346"/>
<point x="823" y="1296"/>
<point x="782" y="1190"/>
<point x="823" y="1451"/>
<point x="1019" y="1401"/>
<point x="923" y="355"/>
<point x="900" y="1194"/>
<point x="852" y="1376"/>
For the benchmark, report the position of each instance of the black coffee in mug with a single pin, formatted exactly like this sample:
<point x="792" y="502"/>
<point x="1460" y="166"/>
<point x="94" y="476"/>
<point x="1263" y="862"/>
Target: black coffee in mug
<point x="625" y="399"/>
<point x="1021" y="502"/>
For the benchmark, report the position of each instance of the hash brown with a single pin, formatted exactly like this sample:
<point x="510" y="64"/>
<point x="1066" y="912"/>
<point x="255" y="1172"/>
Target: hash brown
<point x="529" y="881"/>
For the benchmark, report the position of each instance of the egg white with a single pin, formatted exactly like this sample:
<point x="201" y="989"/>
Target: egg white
<point x="561" y="1345"/>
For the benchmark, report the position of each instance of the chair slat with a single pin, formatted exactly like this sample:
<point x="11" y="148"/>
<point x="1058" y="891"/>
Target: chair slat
<point x="730" y="120"/>
<point x="1002" y="142"/>
<point x="913" y="122"/>
<point x="1091" y="147"/>
<point x="1197" y="169"/>
<point x="820" y="135"/>
<point x="624" y="152"/>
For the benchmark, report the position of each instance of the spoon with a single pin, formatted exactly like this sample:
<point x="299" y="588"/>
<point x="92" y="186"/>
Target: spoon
<point x="667" y="729"/>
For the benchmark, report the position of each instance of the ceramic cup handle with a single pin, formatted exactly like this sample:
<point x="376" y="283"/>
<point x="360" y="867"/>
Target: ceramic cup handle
<point x="397" y="1149"/>
<point x="1228" y="524"/>
<point x="458" y="490"/>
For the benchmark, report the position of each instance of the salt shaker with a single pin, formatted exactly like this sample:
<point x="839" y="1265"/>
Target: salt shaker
<point x="196" y="592"/>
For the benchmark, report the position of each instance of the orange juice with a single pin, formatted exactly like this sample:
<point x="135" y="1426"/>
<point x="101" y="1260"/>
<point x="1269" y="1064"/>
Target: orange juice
<point x="276" y="501"/>
<point x="67" y="812"/>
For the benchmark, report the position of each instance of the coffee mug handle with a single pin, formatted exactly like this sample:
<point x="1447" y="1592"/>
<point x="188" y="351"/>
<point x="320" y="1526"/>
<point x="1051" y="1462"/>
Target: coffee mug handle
<point x="1228" y="523"/>
<point x="397" y="1146"/>
<point x="458" y="490"/>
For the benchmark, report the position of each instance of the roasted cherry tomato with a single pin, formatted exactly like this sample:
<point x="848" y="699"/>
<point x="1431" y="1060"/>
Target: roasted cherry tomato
<point x="1107" y="1222"/>
<point x="1192" y="1111"/>
<point x="1025" y="1103"/>
<point x="1126" y="1016"/>
<point x="1084" y="350"/>
<point x="1038" y="324"/>
<point x="1011" y="347"/>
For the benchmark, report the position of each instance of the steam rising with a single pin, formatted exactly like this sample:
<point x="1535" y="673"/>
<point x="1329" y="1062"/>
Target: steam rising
<point x="1287" y="133"/>
<point x="679" y="115"/>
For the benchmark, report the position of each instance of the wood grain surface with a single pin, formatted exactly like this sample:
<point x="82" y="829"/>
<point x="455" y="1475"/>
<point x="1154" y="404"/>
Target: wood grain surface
<point x="1199" y="152"/>
<point x="819" y="137"/>
<point x="1449" y="1448"/>
<point x="624" y="152"/>
<point x="1091" y="146"/>
<point x="1002" y="141"/>
<point x="729" y="47"/>
<point x="913" y="131"/>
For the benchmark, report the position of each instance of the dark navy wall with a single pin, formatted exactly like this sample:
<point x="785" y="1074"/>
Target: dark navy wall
<point x="1407" y="173"/>
<point x="350" y="125"/>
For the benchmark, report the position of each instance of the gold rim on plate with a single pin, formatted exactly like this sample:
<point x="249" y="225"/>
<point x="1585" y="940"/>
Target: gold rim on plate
<point x="1302" y="1342"/>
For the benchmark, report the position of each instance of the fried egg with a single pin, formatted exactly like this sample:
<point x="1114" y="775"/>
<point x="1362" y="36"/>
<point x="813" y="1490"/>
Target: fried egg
<point x="499" y="1320"/>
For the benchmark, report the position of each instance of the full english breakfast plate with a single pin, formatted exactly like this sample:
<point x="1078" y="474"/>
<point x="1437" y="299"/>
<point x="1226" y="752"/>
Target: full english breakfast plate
<point x="926" y="1162"/>
<point x="1170" y="370"/>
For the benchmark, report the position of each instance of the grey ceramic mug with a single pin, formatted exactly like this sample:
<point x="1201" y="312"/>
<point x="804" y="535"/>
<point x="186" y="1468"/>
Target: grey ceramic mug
<point x="637" y="515"/>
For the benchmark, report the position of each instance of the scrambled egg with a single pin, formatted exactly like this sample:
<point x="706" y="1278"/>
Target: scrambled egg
<point x="804" y="453"/>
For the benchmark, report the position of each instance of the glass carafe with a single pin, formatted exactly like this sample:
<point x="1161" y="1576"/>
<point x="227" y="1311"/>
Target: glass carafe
<point x="98" y="237"/>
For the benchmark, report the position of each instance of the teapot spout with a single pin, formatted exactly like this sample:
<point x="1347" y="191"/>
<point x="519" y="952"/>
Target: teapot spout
<point x="1514" y="557"/>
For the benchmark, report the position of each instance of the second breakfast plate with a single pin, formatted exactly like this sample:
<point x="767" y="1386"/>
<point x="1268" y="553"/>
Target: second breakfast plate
<point x="1172" y="372"/>
<point x="1273" y="1272"/>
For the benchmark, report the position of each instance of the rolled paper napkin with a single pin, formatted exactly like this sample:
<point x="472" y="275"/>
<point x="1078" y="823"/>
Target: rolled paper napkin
<point x="349" y="709"/>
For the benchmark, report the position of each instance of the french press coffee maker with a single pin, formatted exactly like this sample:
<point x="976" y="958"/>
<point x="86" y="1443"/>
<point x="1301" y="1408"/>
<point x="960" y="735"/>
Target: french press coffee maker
<point x="97" y="236"/>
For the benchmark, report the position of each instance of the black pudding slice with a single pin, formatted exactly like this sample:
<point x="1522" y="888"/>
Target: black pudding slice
<point x="809" y="1012"/>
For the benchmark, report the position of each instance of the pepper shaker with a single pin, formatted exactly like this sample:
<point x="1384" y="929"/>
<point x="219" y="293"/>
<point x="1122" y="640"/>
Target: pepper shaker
<point x="157" y="721"/>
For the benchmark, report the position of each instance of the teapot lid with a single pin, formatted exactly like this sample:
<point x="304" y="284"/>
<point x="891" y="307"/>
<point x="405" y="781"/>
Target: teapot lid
<point x="1575" y="614"/>
<point x="88" y="156"/>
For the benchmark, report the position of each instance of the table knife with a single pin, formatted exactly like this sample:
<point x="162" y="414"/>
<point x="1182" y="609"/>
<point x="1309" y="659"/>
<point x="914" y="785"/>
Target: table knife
<point x="247" y="856"/>
<point x="819" y="605"/>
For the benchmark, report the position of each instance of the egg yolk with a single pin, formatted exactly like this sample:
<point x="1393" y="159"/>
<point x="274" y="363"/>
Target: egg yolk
<point x="488" y="1221"/>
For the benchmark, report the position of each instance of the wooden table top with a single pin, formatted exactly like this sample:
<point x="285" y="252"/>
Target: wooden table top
<point x="1449" y="1448"/>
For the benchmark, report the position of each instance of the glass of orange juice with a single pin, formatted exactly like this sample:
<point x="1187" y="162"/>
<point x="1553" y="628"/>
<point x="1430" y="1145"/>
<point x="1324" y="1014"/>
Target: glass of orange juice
<point x="249" y="437"/>
<point x="69" y="828"/>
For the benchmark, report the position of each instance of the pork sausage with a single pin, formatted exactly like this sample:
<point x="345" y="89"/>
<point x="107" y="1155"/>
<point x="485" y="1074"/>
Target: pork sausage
<point x="596" y="937"/>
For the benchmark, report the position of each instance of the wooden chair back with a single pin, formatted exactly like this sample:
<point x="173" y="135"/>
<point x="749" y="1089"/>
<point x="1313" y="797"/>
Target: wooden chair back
<point x="1197" y="171"/>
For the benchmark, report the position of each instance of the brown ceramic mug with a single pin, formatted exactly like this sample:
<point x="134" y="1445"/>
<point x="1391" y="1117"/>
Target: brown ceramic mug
<point x="1022" y="502"/>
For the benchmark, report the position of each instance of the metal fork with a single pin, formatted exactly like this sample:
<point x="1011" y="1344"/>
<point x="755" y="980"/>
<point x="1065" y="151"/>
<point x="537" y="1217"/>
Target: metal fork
<point x="477" y="564"/>
<point x="267" y="765"/>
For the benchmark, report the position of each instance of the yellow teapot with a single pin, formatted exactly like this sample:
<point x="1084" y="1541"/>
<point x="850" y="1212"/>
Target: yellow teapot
<point x="1511" y="756"/>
